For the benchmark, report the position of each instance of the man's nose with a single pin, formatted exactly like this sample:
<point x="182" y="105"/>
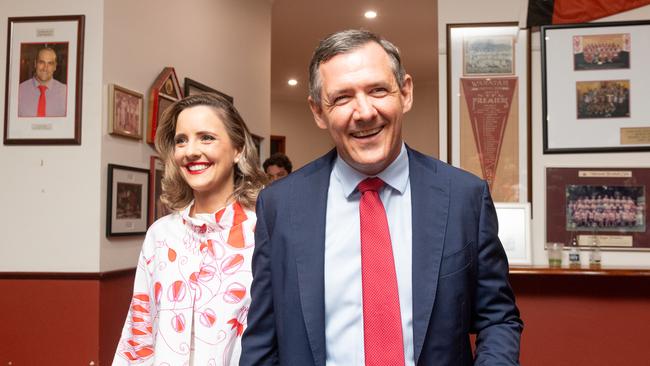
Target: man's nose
<point x="364" y="109"/>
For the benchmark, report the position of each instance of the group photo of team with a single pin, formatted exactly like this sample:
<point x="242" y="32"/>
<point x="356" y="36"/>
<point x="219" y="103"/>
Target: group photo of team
<point x="605" y="208"/>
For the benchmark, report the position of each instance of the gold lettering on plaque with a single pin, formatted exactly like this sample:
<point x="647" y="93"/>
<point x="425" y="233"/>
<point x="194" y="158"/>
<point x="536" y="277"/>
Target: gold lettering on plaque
<point x="622" y="241"/>
<point x="635" y="135"/>
<point x="45" y="32"/>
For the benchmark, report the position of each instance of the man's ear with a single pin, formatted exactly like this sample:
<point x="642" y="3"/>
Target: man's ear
<point x="407" y="93"/>
<point x="317" y="111"/>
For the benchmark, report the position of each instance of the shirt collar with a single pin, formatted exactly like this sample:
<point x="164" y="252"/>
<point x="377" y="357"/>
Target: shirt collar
<point x="395" y="175"/>
<point x="37" y="83"/>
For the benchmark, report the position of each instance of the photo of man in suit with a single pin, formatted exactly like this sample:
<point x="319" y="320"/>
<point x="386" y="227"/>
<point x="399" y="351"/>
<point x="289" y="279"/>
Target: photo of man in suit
<point x="42" y="95"/>
<point x="375" y="254"/>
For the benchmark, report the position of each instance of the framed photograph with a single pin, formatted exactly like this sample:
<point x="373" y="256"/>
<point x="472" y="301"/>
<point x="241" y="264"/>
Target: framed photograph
<point x="157" y="209"/>
<point x="125" y="112"/>
<point x="598" y="206"/>
<point x="595" y="86"/>
<point x="488" y="103"/>
<point x="514" y="231"/>
<point x="192" y="87"/>
<point x="164" y="92"/>
<point x="44" y="80"/>
<point x="127" y="202"/>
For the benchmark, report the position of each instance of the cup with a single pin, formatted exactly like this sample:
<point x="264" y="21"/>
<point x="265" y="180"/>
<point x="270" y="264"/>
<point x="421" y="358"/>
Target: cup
<point x="554" y="251"/>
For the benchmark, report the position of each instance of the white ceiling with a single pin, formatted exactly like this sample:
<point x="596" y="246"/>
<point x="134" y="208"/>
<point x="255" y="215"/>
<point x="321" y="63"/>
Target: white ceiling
<point x="298" y="25"/>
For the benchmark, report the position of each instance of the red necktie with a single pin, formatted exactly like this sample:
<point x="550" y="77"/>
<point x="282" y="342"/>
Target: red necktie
<point x="41" y="102"/>
<point x="382" y="324"/>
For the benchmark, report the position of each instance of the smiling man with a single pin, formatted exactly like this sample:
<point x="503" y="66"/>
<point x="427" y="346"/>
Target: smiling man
<point x="375" y="254"/>
<point x="42" y="95"/>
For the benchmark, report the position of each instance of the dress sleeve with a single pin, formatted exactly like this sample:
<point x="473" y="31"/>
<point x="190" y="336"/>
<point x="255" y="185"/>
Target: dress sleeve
<point x="136" y="346"/>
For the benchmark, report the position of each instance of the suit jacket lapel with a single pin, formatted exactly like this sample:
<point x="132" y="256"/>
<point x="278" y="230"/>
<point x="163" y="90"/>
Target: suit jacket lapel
<point x="430" y="205"/>
<point x="308" y="220"/>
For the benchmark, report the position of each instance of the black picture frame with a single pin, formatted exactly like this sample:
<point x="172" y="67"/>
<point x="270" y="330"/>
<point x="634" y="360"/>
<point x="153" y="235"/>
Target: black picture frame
<point x="191" y="87"/>
<point x="127" y="202"/>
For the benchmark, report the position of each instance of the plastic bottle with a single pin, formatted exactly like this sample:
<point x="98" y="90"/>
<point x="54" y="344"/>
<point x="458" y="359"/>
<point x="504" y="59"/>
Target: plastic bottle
<point x="574" y="254"/>
<point x="594" y="256"/>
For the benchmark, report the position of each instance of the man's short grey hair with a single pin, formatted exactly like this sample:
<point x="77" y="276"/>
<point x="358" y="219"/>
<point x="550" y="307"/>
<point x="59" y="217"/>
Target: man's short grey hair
<point x="344" y="42"/>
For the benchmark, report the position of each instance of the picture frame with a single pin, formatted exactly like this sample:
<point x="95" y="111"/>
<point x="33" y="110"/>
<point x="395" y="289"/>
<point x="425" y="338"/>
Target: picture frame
<point x="43" y="85"/>
<point x="604" y="206"/>
<point x="127" y="201"/>
<point x="157" y="208"/>
<point x="192" y="87"/>
<point x="514" y="232"/>
<point x="594" y="86"/>
<point x="125" y="112"/>
<point x="163" y="93"/>
<point x="488" y="104"/>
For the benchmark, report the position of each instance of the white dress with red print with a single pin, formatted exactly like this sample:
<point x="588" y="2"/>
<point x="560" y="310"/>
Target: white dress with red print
<point x="191" y="292"/>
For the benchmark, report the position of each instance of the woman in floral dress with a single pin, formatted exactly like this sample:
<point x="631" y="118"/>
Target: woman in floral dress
<point x="192" y="286"/>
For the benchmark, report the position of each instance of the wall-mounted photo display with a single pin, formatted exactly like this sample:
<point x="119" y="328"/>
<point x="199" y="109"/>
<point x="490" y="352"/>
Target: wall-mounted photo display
<point x="157" y="208"/>
<point x="192" y="87"/>
<point x="598" y="206"/>
<point x="488" y="99"/>
<point x="595" y="85"/>
<point x="127" y="201"/>
<point x="44" y="80"/>
<point x="125" y="112"/>
<point x="164" y="92"/>
<point x="514" y="232"/>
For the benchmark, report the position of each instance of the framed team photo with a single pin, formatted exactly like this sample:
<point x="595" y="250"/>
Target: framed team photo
<point x="127" y="202"/>
<point x="43" y="86"/>
<point x="595" y="84"/>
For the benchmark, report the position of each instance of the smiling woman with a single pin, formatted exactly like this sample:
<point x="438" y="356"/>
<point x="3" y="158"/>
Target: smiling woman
<point x="197" y="259"/>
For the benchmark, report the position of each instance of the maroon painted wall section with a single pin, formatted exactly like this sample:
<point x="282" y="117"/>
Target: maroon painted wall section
<point x="62" y="319"/>
<point x="584" y="320"/>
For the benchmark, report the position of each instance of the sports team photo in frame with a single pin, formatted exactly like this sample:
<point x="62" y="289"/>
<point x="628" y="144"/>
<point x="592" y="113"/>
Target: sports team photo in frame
<point x="488" y="103"/>
<point x="598" y="206"/>
<point x="126" y="112"/>
<point x="44" y="80"/>
<point x="595" y="87"/>
<point x="127" y="203"/>
<point x="192" y="87"/>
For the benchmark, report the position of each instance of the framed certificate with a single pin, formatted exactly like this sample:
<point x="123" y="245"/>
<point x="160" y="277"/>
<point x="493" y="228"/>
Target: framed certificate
<point x="514" y="231"/>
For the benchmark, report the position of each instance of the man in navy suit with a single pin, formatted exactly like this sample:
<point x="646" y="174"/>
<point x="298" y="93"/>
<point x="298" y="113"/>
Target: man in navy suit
<point x="450" y="268"/>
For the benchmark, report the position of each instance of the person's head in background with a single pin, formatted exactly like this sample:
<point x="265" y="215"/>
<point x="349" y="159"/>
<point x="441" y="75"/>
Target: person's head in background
<point x="277" y="166"/>
<point x="45" y="65"/>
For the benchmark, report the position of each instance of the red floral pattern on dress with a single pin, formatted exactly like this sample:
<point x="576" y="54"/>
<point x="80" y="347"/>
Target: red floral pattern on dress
<point x="191" y="291"/>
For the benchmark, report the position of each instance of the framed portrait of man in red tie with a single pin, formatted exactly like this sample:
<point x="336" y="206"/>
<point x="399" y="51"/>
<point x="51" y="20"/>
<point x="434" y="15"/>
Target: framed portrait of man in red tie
<point x="44" y="80"/>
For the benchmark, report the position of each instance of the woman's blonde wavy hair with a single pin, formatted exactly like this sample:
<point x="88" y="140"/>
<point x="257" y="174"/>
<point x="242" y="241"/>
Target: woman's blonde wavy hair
<point x="249" y="178"/>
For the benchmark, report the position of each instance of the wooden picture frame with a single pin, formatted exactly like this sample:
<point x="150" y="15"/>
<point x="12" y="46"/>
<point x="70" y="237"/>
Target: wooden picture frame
<point x="192" y="87"/>
<point x="44" y="51"/>
<point x="127" y="201"/>
<point x="164" y="91"/>
<point x="595" y="85"/>
<point x="488" y="104"/>
<point x="607" y="205"/>
<point x="125" y="112"/>
<point x="157" y="208"/>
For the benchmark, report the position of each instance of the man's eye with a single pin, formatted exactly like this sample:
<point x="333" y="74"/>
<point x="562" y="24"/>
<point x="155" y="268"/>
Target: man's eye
<point x="340" y="99"/>
<point x="379" y="91"/>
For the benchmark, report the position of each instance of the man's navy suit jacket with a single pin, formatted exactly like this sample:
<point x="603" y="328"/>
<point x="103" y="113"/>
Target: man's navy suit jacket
<point x="459" y="276"/>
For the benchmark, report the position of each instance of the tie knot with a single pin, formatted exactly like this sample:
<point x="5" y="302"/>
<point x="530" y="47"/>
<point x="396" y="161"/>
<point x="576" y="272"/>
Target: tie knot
<point x="42" y="88"/>
<point x="370" y="184"/>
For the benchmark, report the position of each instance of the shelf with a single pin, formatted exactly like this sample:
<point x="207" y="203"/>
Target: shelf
<point x="583" y="271"/>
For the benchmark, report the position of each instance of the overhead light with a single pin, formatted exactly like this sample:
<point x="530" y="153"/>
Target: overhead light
<point x="292" y="82"/>
<point x="370" y="14"/>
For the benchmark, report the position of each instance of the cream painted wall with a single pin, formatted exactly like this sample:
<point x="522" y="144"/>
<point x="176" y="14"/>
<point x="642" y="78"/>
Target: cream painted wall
<point x="306" y="142"/>
<point x="467" y="11"/>
<point x="50" y="218"/>
<point x="225" y="44"/>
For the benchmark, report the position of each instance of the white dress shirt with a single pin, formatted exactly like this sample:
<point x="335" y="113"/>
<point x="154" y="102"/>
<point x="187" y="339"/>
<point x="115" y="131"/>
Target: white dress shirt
<point x="343" y="294"/>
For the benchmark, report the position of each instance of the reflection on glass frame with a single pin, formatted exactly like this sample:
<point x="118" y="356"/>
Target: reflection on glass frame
<point x="44" y="107"/>
<point x="604" y="205"/>
<point x="594" y="81"/>
<point x="125" y="112"/>
<point x="488" y="99"/>
<point x="127" y="201"/>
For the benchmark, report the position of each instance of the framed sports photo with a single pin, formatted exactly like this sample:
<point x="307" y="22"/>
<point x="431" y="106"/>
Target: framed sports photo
<point x="164" y="92"/>
<point x="127" y="201"/>
<point x="126" y="112"/>
<point x="192" y="87"/>
<point x="598" y="206"/>
<point x="44" y="80"/>
<point x="488" y="99"/>
<point x="595" y="86"/>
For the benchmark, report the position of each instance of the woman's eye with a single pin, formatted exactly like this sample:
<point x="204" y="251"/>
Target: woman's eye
<point x="207" y="138"/>
<point x="180" y="140"/>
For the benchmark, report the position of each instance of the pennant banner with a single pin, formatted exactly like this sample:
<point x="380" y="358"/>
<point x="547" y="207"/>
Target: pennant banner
<point x="543" y="12"/>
